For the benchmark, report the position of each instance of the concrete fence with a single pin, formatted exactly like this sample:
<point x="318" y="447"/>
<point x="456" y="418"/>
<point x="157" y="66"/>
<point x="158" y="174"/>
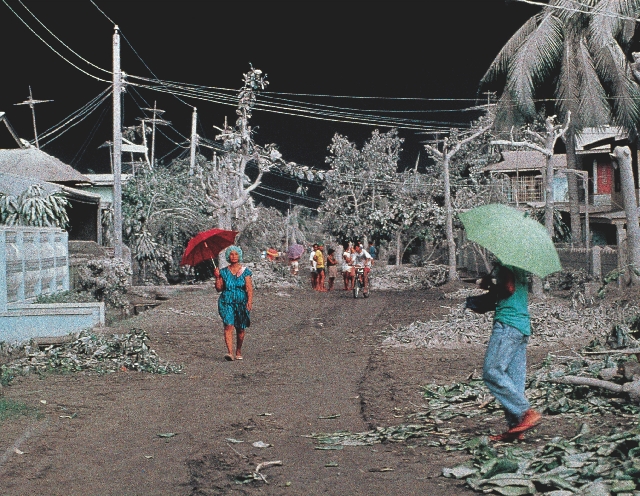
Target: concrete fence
<point x="35" y="261"/>
<point x="32" y="261"/>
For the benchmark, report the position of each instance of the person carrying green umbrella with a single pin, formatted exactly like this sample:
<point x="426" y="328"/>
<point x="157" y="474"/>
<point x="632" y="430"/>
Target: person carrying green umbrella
<point x="521" y="246"/>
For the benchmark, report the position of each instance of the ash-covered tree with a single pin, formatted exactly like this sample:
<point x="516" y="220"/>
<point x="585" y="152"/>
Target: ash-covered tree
<point x="161" y="212"/>
<point x="358" y="185"/>
<point x="578" y="53"/>
<point x="444" y="156"/>
<point x="228" y="180"/>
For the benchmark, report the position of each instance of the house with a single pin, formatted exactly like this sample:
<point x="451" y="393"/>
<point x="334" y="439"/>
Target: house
<point x="23" y="167"/>
<point x="520" y="178"/>
<point x="102" y="184"/>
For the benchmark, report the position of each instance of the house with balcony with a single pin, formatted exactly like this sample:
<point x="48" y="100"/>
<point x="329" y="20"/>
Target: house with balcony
<point x="519" y="177"/>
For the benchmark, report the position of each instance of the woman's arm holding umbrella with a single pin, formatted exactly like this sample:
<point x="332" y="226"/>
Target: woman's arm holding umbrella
<point x="249" y="286"/>
<point x="219" y="280"/>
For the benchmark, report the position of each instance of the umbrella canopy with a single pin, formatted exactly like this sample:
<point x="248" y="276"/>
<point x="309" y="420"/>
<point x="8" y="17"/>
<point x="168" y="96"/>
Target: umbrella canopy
<point x="513" y="238"/>
<point x="295" y="251"/>
<point x="207" y="245"/>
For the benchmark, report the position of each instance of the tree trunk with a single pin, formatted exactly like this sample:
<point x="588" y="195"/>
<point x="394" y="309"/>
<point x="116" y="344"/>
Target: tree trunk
<point x="572" y="182"/>
<point x="451" y="243"/>
<point x="548" y="201"/>
<point x="622" y="156"/>
<point x="398" y="246"/>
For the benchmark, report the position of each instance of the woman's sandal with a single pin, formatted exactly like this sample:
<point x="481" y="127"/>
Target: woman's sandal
<point x="228" y="357"/>
<point x="238" y="357"/>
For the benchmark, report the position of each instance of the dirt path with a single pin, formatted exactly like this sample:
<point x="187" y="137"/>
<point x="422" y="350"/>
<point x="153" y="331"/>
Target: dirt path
<point x="307" y="356"/>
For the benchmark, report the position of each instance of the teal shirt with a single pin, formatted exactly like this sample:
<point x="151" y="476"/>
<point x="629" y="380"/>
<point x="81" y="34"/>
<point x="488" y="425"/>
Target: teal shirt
<point x="514" y="310"/>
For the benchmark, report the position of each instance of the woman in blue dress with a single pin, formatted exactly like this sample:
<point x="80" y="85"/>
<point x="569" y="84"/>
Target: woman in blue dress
<point x="236" y="299"/>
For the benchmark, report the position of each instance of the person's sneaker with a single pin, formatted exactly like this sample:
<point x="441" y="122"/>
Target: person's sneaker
<point x="529" y="421"/>
<point x="508" y="437"/>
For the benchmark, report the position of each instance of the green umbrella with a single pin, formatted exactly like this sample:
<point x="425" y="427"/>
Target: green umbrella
<point x="513" y="238"/>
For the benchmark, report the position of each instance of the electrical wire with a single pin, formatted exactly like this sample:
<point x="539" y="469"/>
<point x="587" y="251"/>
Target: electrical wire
<point x="62" y="42"/>
<point x="281" y="201"/>
<point x="81" y="151"/>
<point x="94" y="4"/>
<point x="158" y="129"/>
<point x="355" y="119"/>
<point x="51" y="48"/>
<point x="304" y="108"/>
<point x="569" y="9"/>
<point x="80" y="116"/>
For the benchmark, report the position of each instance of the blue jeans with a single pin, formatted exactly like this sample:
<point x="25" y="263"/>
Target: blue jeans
<point x="505" y="368"/>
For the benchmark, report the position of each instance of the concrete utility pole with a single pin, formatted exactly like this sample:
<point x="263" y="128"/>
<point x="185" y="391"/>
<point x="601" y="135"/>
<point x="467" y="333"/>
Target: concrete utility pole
<point x="194" y="140"/>
<point x="31" y="102"/>
<point x="117" y="146"/>
<point x="160" y="122"/>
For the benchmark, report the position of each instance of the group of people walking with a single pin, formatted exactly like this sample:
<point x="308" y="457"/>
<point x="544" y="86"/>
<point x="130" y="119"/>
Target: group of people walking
<point x="504" y="368"/>
<point x="324" y="269"/>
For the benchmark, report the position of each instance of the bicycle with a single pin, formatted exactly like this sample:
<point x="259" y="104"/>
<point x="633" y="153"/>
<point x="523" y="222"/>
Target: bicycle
<point x="358" y="284"/>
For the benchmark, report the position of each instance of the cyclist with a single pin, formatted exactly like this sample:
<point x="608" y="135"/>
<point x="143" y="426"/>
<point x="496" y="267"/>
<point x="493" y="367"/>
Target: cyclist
<point x="361" y="258"/>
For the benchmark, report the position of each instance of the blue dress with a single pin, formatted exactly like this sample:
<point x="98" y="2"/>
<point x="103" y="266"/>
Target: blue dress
<point x="232" y="304"/>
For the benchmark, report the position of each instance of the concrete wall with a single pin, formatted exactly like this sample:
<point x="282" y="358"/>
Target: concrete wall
<point x="35" y="261"/>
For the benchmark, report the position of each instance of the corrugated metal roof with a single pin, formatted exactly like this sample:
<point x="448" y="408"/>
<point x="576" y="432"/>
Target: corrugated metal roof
<point x="598" y="139"/>
<point x="525" y="161"/>
<point x="34" y="163"/>
<point x="11" y="184"/>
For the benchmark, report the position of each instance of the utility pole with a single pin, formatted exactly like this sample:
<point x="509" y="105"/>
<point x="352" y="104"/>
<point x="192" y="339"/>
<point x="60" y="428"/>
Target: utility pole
<point x="31" y="102"/>
<point x="160" y="122"/>
<point x="287" y="226"/>
<point x="117" y="146"/>
<point x="194" y="141"/>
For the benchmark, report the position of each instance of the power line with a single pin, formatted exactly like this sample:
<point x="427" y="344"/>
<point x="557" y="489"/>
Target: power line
<point x="94" y="4"/>
<point x="80" y="114"/>
<point x="51" y="48"/>
<point x="63" y="43"/>
<point x="592" y="11"/>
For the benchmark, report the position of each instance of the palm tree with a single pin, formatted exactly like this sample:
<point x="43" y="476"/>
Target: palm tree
<point x="579" y="48"/>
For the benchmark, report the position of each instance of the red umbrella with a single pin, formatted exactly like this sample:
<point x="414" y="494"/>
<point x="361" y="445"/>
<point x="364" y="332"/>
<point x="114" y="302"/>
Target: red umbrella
<point x="207" y="245"/>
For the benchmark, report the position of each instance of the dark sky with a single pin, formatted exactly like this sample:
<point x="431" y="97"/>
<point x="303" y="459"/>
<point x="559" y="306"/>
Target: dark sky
<point x="435" y="49"/>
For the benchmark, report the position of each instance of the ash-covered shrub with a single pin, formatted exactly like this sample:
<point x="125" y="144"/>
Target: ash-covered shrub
<point x="107" y="279"/>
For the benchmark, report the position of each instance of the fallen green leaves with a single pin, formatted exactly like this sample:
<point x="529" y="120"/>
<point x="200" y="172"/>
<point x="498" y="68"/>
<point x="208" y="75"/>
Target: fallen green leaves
<point x="166" y="434"/>
<point x="118" y="352"/>
<point x="585" y="464"/>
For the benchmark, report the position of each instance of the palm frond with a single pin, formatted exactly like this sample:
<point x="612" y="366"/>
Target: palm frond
<point x="568" y="86"/>
<point x="613" y="69"/>
<point x="500" y="64"/>
<point x="508" y="113"/>
<point x="607" y="19"/>
<point x="588" y="99"/>
<point x="534" y="61"/>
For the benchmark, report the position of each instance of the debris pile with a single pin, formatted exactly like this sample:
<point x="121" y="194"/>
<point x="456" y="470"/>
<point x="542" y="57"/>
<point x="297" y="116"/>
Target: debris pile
<point x="275" y="275"/>
<point x="546" y="391"/>
<point x="555" y="321"/>
<point x="403" y="277"/>
<point x="86" y="351"/>
<point x="585" y="464"/>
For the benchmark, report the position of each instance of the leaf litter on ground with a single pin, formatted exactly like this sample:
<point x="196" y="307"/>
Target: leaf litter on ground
<point x="85" y="352"/>
<point x="585" y="464"/>
<point x="552" y="320"/>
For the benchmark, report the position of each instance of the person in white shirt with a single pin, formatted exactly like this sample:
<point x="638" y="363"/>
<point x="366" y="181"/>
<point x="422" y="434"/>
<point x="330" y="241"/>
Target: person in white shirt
<point x="361" y="258"/>
<point x="314" y="270"/>
<point x="346" y="269"/>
